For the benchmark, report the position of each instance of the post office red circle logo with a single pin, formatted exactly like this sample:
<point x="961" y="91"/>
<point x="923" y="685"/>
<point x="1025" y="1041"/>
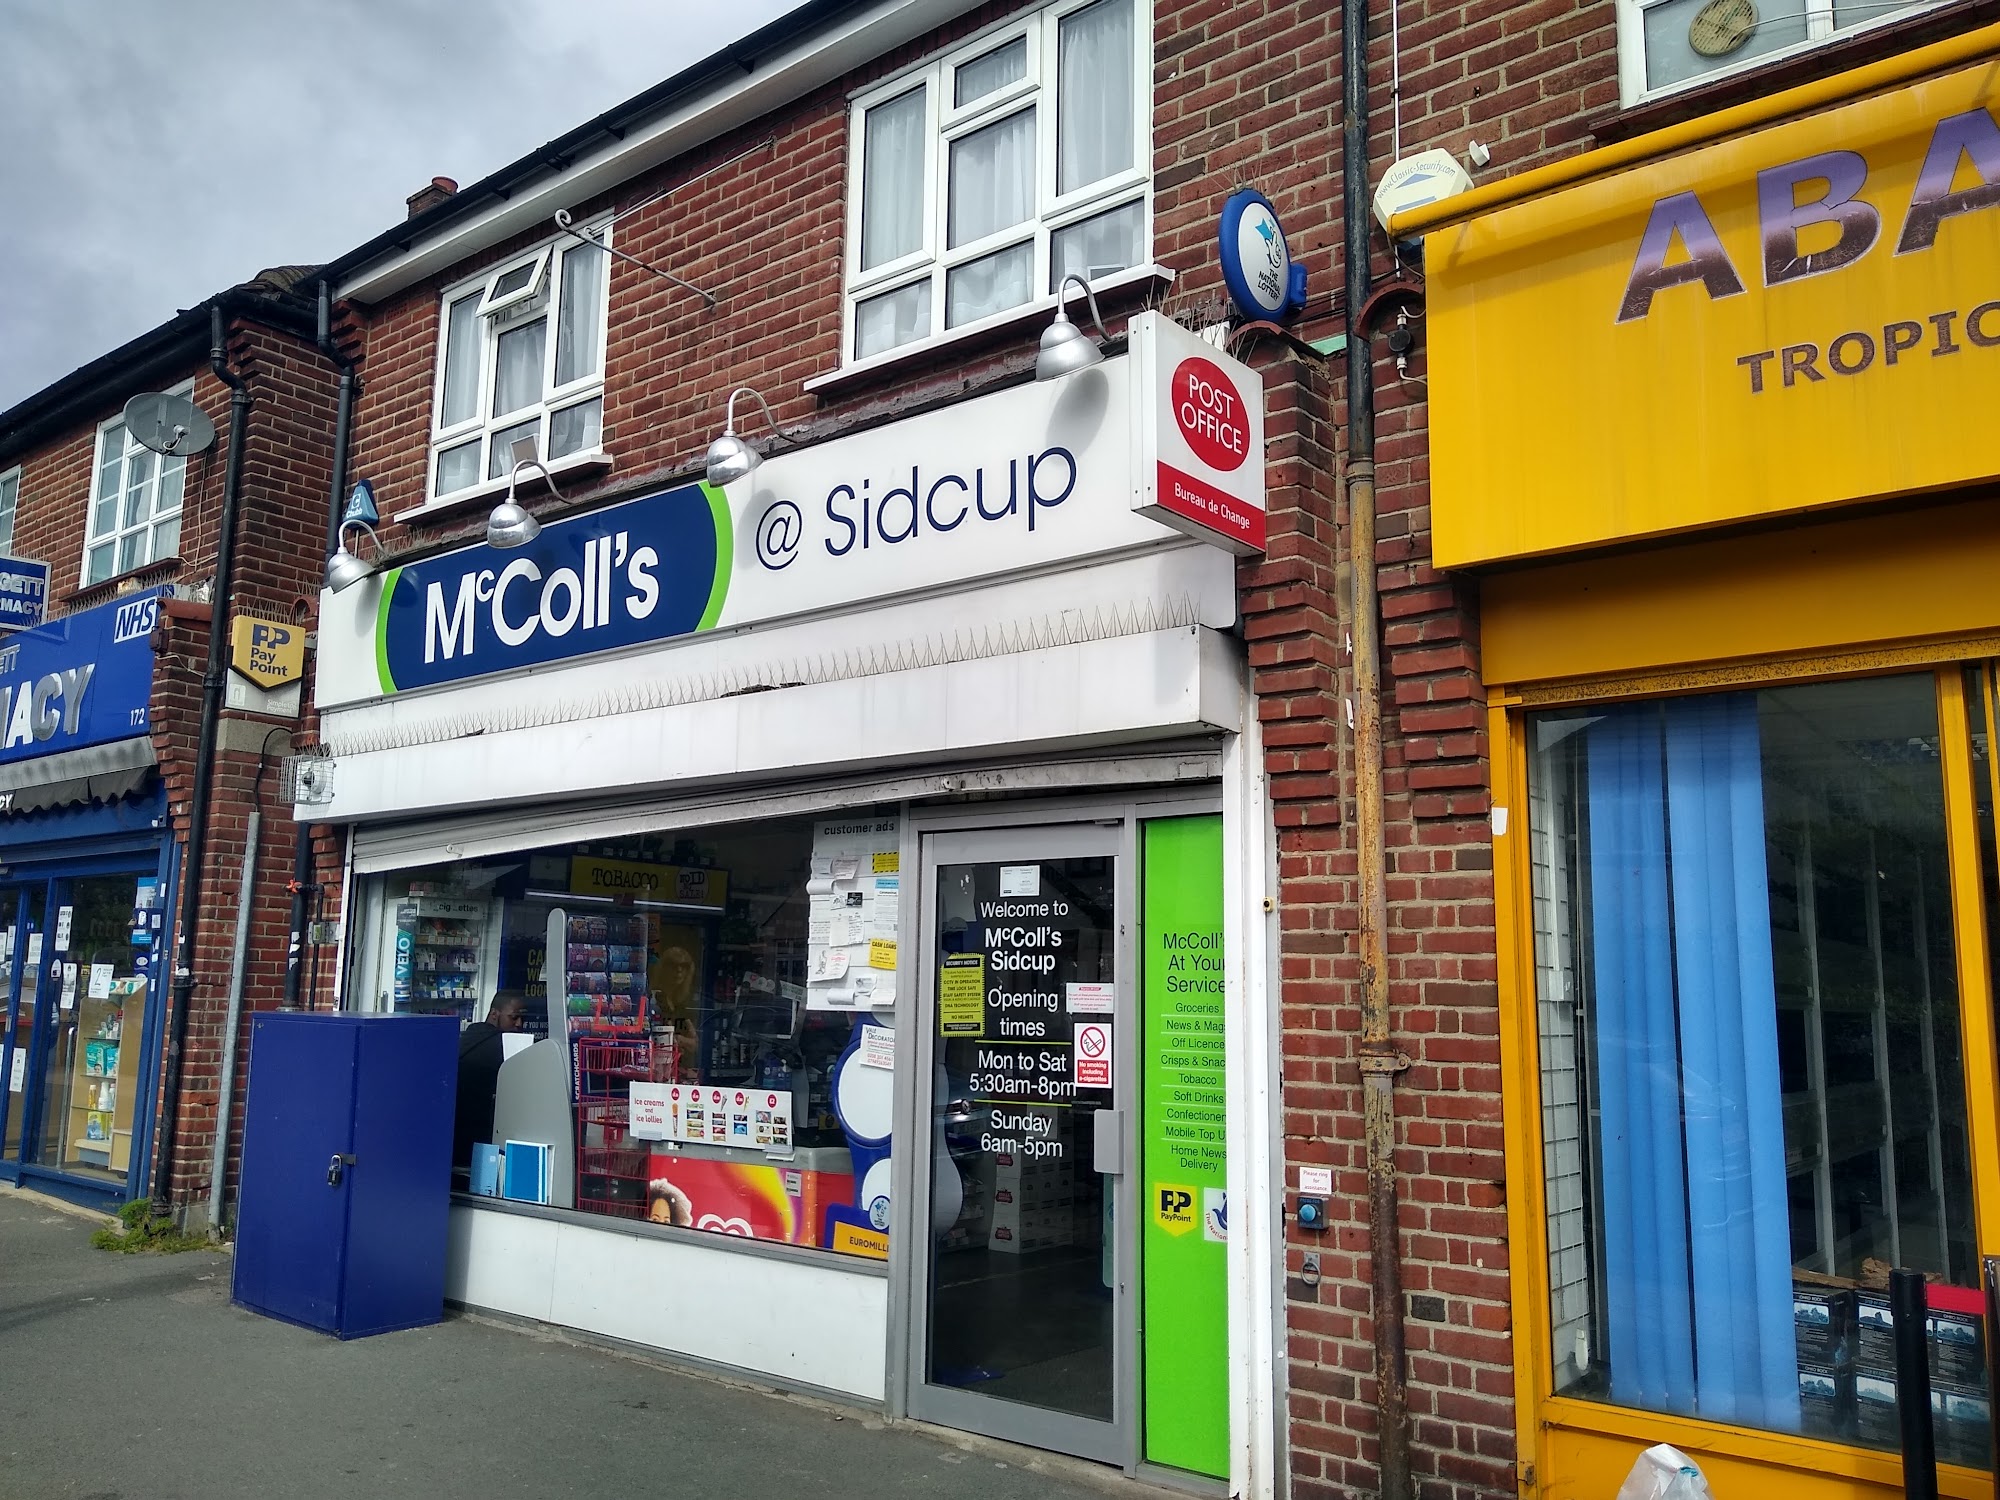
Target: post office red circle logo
<point x="1209" y="411"/>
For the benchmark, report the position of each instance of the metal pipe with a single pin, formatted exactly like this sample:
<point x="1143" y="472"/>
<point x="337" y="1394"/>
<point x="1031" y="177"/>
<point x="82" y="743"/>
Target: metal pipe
<point x="1377" y="1054"/>
<point x="225" y="1099"/>
<point x="213" y="681"/>
<point x="1909" y="1308"/>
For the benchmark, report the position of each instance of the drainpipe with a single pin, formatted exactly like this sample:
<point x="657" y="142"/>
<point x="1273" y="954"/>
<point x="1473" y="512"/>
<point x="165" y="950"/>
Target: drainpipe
<point x="239" y="957"/>
<point x="1377" y="1053"/>
<point x="212" y="682"/>
<point x="302" y="851"/>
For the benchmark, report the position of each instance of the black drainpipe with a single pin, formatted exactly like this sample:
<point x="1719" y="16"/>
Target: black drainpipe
<point x="302" y="884"/>
<point x="212" y="684"/>
<point x="1376" y="1053"/>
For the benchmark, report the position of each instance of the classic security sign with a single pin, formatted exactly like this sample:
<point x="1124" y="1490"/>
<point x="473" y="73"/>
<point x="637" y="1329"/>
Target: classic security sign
<point x="1021" y="479"/>
<point x="1200" y="428"/>
<point x="85" y="679"/>
<point x="267" y="652"/>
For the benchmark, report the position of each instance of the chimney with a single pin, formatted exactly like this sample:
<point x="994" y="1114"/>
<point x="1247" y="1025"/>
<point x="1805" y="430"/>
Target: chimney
<point x="430" y="195"/>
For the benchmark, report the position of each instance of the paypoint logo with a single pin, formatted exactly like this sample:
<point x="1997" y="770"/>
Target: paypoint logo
<point x="1173" y="1207"/>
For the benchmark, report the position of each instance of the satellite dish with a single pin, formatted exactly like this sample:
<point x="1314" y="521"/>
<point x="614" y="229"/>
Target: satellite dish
<point x="168" y="424"/>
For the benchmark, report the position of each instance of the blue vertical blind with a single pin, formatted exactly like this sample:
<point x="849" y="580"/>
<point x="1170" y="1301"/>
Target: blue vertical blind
<point x="1695" y="1231"/>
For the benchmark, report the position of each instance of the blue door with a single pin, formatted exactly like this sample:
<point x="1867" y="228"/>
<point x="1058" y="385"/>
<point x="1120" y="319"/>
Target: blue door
<point x="298" y="1143"/>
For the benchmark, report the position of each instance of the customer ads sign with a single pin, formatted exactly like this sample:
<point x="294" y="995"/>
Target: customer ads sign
<point x="85" y="679"/>
<point x="1198" y="420"/>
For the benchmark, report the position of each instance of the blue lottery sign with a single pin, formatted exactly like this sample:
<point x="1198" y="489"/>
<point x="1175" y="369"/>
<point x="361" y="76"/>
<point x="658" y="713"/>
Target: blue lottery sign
<point x="1264" y="281"/>
<point x="24" y="592"/>
<point x="85" y="679"/>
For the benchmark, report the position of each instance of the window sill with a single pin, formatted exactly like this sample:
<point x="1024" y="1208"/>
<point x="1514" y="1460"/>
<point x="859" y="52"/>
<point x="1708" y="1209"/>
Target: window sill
<point x="1694" y="99"/>
<point x="701" y="1239"/>
<point x="596" y="461"/>
<point x="1028" y="314"/>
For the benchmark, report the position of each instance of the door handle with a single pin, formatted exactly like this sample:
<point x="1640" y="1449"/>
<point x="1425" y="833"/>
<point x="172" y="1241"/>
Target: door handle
<point x="337" y="1168"/>
<point x="1107" y="1141"/>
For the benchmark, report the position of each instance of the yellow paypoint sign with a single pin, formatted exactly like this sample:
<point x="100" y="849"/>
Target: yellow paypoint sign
<point x="1799" y="317"/>
<point x="266" y="652"/>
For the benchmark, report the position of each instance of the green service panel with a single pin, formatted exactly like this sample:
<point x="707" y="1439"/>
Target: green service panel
<point x="1187" y="1218"/>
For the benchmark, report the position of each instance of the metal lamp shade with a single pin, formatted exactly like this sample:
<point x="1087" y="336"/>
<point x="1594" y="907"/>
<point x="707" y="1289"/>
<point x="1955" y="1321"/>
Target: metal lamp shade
<point x="1066" y="349"/>
<point x="344" y="570"/>
<point x="511" y="526"/>
<point x="730" y="458"/>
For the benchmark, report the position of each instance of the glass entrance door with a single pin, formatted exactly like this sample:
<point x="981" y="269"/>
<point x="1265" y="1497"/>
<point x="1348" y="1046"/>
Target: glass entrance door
<point x="94" y="1030"/>
<point x="1023" y="1325"/>
<point x="21" y="951"/>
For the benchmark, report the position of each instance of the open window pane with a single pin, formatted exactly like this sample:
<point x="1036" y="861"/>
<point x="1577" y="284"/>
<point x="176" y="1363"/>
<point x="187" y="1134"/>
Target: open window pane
<point x="517" y="375"/>
<point x="501" y="463"/>
<point x="1098" y="246"/>
<point x="992" y="179"/>
<point x="1752" y="1090"/>
<point x="893" y="318"/>
<point x="579" y="329"/>
<point x="990" y="72"/>
<point x="576" y="429"/>
<point x="989" y="285"/>
<point x="460" y="399"/>
<point x="1095" y="132"/>
<point x="892" y="180"/>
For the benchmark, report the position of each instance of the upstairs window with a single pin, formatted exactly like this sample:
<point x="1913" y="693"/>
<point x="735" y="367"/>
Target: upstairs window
<point x="979" y="181"/>
<point x="521" y="354"/>
<point x="135" y="504"/>
<point x="10" y="495"/>
<point x="1667" y="44"/>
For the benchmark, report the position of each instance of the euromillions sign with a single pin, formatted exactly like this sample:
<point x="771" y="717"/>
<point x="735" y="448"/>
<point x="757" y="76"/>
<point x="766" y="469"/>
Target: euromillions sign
<point x="1019" y="480"/>
<point x="24" y="592"/>
<point x="85" y="679"/>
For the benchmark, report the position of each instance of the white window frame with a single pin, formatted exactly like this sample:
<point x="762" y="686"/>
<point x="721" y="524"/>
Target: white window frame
<point x="946" y="122"/>
<point x="154" y="518"/>
<point x="1820" y="31"/>
<point x="10" y="484"/>
<point x="545" y="284"/>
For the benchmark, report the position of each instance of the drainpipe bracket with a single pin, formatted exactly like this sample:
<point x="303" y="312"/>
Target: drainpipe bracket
<point x="1383" y="1060"/>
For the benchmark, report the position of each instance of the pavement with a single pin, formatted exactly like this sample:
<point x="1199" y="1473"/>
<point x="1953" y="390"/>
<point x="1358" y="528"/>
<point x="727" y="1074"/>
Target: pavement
<point x="131" y="1377"/>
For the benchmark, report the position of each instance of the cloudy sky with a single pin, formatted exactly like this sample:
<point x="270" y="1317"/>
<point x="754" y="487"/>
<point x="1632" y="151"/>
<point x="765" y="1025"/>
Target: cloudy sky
<point x="155" y="151"/>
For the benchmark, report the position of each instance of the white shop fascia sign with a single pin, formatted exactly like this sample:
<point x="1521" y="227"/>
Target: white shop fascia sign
<point x="1033" y="477"/>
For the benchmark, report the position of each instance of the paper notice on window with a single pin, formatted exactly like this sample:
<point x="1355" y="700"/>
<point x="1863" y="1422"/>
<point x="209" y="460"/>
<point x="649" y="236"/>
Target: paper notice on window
<point x="69" y="987"/>
<point x="878" y="1047"/>
<point x="647" y="1107"/>
<point x="888" y="862"/>
<point x="881" y="955"/>
<point x="34" y="949"/>
<point x="18" y="1073"/>
<point x="1020" y="880"/>
<point x="844" y="930"/>
<point x="100" y="981"/>
<point x="846" y="867"/>
<point x="829" y="965"/>
<point x="1091" y="999"/>
<point x="63" y="915"/>
<point x="962" y="995"/>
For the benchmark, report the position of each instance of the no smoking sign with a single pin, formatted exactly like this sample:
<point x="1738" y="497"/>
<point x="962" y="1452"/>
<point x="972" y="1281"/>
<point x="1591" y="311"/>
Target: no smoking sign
<point x="1091" y="1066"/>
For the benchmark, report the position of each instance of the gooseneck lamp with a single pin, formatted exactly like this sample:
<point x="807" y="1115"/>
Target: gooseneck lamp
<point x="344" y="569"/>
<point x="1066" y="348"/>
<point x="729" y="457"/>
<point x="511" y="525"/>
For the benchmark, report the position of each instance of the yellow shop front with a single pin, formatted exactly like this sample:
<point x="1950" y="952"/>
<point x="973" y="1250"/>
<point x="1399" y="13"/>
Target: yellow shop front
<point x="1712" y="421"/>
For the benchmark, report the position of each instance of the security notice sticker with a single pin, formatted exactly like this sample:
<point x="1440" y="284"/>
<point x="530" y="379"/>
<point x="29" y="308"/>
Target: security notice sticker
<point x="962" y="995"/>
<point x="1173" y="1207"/>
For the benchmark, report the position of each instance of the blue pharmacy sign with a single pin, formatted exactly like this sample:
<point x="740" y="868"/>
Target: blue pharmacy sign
<point x="24" y="593"/>
<point x="85" y="679"/>
<point x="643" y="571"/>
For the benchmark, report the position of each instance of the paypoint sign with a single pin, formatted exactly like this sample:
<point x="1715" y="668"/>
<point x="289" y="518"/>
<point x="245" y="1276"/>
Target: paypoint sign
<point x="267" y="652"/>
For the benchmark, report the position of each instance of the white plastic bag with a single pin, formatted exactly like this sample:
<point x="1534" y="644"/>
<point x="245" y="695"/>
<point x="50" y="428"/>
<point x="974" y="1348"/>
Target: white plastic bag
<point x="1663" y="1472"/>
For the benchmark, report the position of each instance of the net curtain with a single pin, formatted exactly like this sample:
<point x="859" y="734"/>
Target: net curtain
<point x="1696" y="1237"/>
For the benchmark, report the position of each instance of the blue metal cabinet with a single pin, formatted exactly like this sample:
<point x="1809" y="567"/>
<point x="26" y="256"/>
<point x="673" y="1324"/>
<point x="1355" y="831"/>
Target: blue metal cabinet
<point x="342" y="1217"/>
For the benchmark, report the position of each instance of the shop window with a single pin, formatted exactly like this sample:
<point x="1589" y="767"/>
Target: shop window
<point x="662" y="969"/>
<point x="135" y="503"/>
<point x="1668" y="44"/>
<point x="520" y="355"/>
<point x="1753" y="1099"/>
<point x="10" y="494"/>
<point x="983" y="178"/>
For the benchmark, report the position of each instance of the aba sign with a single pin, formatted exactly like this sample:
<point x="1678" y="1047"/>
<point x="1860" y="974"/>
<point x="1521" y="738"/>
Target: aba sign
<point x="24" y="592"/>
<point x="643" y="571"/>
<point x="82" y="680"/>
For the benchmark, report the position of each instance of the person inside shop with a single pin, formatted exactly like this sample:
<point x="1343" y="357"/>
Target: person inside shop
<point x="481" y="1050"/>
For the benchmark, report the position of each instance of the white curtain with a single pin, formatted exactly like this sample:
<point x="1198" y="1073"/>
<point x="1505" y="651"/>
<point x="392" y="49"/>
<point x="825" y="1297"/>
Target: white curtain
<point x="892" y="180"/>
<point x="991" y="284"/>
<point x="1095" y="135"/>
<point x="517" y="378"/>
<point x="461" y="363"/>
<point x="577" y="334"/>
<point x="992" y="178"/>
<point x="893" y="319"/>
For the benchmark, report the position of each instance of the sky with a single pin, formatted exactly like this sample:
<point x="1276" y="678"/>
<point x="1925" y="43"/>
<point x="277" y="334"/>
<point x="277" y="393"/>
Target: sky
<point x="153" y="152"/>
